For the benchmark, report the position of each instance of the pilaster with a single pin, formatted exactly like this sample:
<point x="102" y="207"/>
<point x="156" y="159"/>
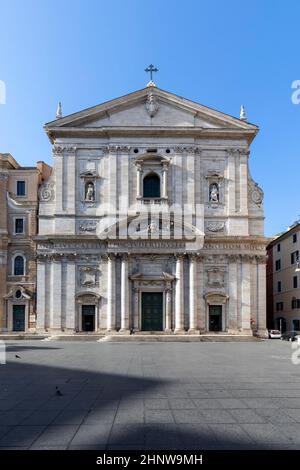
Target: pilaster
<point x="179" y="287"/>
<point x="124" y="295"/>
<point x="111" y="293"/>
<point x="192" y="294"/>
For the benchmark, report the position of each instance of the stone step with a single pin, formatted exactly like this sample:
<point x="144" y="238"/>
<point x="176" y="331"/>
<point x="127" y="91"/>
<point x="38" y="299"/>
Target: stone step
<point x="178" y="338"/>
<point x="137" y="337"/>
<point x="77" y="337"/>
<point x="15" y="336"/>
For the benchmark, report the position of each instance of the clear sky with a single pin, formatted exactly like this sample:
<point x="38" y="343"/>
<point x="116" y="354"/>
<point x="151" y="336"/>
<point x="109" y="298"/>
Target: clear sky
<point x="219" y="53"/>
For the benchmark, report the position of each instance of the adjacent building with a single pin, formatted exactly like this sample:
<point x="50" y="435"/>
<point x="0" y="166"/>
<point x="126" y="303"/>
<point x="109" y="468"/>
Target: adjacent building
<point x="283" y="280"/>
<point x="18" y="224"/>
<point x="151" y="221"/>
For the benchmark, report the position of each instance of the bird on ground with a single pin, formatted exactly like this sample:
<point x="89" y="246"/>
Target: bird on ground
<point x="18" y="357"/>
<point x="58" y="392"/>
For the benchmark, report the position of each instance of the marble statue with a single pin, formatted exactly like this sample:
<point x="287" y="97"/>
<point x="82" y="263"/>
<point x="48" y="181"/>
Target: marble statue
<point x="90" y="192"/>
<point x="214" y="193"/>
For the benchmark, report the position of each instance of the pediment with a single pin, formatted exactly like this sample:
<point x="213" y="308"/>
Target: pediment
<point x="149" y="107"/>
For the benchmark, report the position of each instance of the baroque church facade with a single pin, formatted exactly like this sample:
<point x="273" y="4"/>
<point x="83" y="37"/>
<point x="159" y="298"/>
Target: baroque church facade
<point x="150" y="221"/>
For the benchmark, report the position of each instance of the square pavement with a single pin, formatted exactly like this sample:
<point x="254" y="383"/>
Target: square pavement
<point x="240" y="395"/>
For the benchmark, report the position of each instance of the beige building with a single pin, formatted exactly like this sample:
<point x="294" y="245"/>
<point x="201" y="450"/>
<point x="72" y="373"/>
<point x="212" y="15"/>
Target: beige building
<point x="151" y="221"/>
<point x="283" y="274"/>
<point x="18" y="224"/>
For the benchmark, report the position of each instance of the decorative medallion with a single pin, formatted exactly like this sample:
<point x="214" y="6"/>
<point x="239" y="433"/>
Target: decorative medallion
<point x="47" y="191"/>
<point x="215" y="226"/>
<point x="88" y="226"/>
<point x="151" y="105"/>
<point x="89" y="276"/>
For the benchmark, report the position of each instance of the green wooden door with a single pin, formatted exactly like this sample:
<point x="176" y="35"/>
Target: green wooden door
<point x="18" y="317"/>
<point x="152" y="311"/>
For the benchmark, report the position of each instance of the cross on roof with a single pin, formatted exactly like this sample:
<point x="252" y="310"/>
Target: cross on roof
<point x="150" y="69"/>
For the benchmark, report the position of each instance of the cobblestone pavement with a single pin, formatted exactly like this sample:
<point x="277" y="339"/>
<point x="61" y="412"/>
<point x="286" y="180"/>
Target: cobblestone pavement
<point x="149" y="396"/>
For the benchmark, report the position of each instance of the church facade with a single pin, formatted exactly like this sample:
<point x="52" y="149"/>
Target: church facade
<point x="151" y="221"/>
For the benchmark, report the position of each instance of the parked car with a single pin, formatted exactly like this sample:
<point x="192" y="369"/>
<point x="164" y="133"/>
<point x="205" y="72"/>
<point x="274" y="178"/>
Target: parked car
<point x="290" y="335"/>
<point x="274" y="334"/>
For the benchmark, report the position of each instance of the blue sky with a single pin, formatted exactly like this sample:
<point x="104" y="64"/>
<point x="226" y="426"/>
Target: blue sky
<point x="219" y="53"/>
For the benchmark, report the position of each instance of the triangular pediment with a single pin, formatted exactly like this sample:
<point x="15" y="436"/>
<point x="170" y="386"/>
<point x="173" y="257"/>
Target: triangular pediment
<point x="149" y="107"/>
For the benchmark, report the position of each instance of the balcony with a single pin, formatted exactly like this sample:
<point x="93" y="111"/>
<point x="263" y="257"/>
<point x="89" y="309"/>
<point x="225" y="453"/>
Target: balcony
<point x="155" y="201"/>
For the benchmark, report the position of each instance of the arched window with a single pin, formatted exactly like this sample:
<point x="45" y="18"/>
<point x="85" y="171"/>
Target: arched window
<point x="19" y="266"/>
<point x="151" y="186"/>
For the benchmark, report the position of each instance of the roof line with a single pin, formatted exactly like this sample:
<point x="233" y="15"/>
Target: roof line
<point x="143" y="89"/>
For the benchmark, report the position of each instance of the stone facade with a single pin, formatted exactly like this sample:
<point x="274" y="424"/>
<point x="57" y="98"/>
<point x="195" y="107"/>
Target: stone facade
<point x="151" y="220"/>
<point x="283" y="280"/>
<point x="18" y="226"/>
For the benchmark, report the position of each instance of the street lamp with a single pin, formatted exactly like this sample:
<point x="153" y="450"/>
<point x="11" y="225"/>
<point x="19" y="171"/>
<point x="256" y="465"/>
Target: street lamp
<point x="297" y="269"/>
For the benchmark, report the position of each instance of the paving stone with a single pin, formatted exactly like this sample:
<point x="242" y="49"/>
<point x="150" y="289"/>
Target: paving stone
<point x="194" y="385"/>
<point x="69" y="417"/>
<point x="40" y="417"/>
<point x="231" y="436"/>
<point x="156" y="403"/>
<point x="56" y="435"/>
<point x="159" y="416"/>
<point x="216" y="416"/>
<point x="264" y="434"/>
<point x="181" y="403"/>
<point x="21" y="436"/>
<point x="127" y="434"/>
<point x="188" y="416"/>
<point x="94" y="435"/>
<point x="207" y="403"/>
<point x="247" y="416"/>
<point x="129" y="416"/>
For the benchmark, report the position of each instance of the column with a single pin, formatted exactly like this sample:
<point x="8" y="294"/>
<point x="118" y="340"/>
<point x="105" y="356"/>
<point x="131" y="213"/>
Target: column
<point x="56" y="295"/>
<point x="246" y="295"/>
<point x="41" y="295"/>
<point x="168" y="296"/>
<point x="165" y="182"/>
<point x="179" y="295"/>
<point x="111" y="293"/>
<point x="232" y="288"/>
<point x="70" y="295"/>
<point x="124" y="295"/>
<point x="136" y="306"/>
<point x="261" y="296"/>
<point x="193" y="294"/>
<point x="138" y="181"/>
<point x="201" y="304"/>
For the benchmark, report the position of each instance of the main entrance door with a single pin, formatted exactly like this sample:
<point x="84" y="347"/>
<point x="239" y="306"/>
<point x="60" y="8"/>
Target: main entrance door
<point x="215" y="318"/>
<point x="18" y="317"/>
<point x="152" y="311"/>
<point x="88" y="317"/>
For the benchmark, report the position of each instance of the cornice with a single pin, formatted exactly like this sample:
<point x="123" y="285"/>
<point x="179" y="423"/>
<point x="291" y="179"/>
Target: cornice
<point x="150" y="131"/>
